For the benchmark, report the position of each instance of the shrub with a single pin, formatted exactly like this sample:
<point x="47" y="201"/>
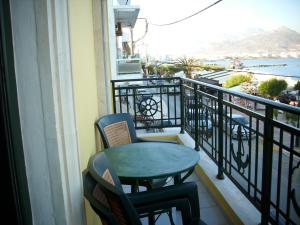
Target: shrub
<point x="272" y="88"/>
<point x="214" y="67"/>
<point x="151" y="69"/>
<point x="237" y="79"/>
<point x="172" y="69"/>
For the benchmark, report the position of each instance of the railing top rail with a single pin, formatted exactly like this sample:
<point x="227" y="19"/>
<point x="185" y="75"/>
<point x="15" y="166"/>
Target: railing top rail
<point x="267" y="102"/>
<point x="146" y="79"/>
<point x="277" y="105"/>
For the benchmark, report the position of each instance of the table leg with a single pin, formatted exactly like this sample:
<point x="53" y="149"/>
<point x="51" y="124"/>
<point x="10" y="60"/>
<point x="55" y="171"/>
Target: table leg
<point x="177" y="179"/>
<point x="151" y="219"/>
<point x="134" y="188"/>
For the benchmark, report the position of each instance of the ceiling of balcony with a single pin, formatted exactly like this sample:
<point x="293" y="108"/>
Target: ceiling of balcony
<point x="126" y="15"/>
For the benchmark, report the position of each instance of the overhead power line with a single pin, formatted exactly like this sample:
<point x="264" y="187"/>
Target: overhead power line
<point x="187" y="17"/>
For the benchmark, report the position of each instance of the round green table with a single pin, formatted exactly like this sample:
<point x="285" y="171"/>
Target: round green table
<point x="150" y="160"/>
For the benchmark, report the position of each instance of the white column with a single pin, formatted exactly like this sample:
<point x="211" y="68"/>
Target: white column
<point x="105" y="52"/>
<point x="46" y="104"/>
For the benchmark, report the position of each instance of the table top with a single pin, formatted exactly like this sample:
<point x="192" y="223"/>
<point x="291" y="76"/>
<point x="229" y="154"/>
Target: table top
<point x="149" y="160"/>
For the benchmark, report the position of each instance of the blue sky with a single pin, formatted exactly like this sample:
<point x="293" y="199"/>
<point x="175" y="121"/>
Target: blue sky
<point x="228" y="19"/>
<point x="284" y="12"/>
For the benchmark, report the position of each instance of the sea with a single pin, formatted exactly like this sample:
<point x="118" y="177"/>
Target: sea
<point x="290" y="71"/>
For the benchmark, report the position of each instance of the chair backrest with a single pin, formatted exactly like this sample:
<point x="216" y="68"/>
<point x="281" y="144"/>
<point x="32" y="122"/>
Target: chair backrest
<point x="104" y="191"/>
<point x="116" y="129"/>
<point x="97" y="202"/>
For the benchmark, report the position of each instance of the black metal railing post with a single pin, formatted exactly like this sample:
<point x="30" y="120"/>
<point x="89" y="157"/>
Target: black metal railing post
<point x="267" y="166"/>
<point x="196" y="108"/>
<point x="297" y="143"/>
<point x="181" y="107"/>
<point x="220" y="136"/>
<point x="114" y="96"/>
<point x="134" y="106"/>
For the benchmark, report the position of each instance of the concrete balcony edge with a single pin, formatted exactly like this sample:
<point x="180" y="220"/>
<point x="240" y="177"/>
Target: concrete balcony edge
<point x="235" y="205"/>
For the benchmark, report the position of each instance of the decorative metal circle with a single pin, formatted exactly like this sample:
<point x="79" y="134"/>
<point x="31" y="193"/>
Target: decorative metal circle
<point x="148" y="107"/>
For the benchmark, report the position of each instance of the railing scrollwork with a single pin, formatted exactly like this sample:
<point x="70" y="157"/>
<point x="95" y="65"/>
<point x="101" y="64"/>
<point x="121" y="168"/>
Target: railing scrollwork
<point x="240" y="155"/>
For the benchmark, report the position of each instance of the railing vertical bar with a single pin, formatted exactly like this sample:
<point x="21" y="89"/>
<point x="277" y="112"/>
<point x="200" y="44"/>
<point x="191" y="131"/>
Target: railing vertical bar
<point x="279" y="175"/>
<point x="256" y="159"/>
<point x="134" y="106"/>
<point x="227" y="166"/>
<point x="161" y="107"/>
<point x="217" y="128"/>
<point x="175" y="108"/>
<point x="267" y="166"/>
<point x="201" y="127"/>
<point x="214" y="139"/>
<point x="168" y="103"/>
<point x="126" y="100"/>
<point x="288" y="202"/>
<point x="250" y="155"/>
<point x="114" y="97"/>
<point x="230" y="137"/>
<point x="120" y="101"/>
<point x="182" y="104"/>
<point x="196" y="108"/>
<point x="220" y="136"/>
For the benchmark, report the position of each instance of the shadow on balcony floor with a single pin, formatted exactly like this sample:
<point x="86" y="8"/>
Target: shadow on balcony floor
<point x="211" y="213"/>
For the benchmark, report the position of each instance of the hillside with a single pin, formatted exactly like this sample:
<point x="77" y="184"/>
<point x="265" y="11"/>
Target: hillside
<point x="265" y="43"/>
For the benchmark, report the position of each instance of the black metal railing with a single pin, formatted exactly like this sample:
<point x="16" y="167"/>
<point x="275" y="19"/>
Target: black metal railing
<point x="153" y="103"/>
<point x="254" y="141"/>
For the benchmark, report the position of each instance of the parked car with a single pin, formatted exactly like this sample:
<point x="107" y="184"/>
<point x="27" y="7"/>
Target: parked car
<point x="237" y="121"/>
<point x="286" y="98"/>
<point x="204" y="124"/>
<point x="214" y="112"/>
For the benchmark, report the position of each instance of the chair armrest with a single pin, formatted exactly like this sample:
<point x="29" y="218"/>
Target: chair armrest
<point x="185" y="190"/>
<point x="149" y="140"/>
<point x="181" y="204"/>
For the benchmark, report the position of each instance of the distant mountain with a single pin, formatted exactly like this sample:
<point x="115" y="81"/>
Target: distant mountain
<point x="280" y="42"/>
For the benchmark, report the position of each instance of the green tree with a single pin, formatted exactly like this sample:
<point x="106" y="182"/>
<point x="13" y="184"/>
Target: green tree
<point x="188" y="64"/>
<point x="272" y="88"/>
